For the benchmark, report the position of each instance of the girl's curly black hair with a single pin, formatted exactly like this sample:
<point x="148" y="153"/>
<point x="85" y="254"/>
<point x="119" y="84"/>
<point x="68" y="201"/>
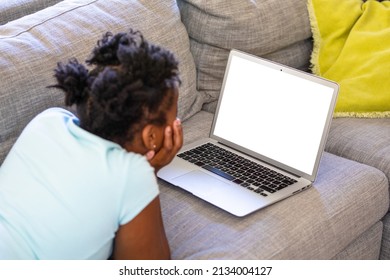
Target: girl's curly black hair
<point x="130" y="85"/>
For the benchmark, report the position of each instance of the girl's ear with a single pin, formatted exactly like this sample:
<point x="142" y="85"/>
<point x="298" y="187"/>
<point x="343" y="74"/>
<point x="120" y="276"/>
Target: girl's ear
<point x="149" y="137"/>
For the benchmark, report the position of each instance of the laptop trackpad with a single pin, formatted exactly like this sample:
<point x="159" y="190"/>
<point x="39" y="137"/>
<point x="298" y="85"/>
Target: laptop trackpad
<point x="199" y="183"/>
<point x="222" y="194"/>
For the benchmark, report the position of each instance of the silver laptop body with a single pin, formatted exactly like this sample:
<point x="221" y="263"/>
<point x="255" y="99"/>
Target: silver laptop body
<point x="269" y="114"/>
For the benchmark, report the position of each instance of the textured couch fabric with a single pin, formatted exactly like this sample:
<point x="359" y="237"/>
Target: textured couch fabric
<point x="363" y="140"/>
<point x="262" y="28"/>
<point x="366" y="141"/>
<point x="11" y="10"/>
<point x="385" y="249"/>
<point x="343" y="216"/>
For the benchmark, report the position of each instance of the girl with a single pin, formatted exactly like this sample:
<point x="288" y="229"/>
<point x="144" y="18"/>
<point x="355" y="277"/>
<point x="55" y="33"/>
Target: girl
<point x="85" y="187"/>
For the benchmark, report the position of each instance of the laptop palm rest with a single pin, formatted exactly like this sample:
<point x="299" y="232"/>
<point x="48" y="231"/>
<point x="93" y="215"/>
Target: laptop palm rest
<point x="225" y="195"/>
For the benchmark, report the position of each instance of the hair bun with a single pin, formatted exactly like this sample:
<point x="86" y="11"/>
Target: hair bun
<point x="73" y="79"/>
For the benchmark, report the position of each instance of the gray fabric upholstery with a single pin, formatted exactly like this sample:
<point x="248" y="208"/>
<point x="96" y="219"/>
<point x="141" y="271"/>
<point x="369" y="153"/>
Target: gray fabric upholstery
<point x="258" y="27"/>
<point x="346" y="200"/>
<point x="31" y="46"/>
<point x="366" y="247"/>
<point x="11" y="10"/>
<point x="363" y="140"/>
<point x="385" y="249"/>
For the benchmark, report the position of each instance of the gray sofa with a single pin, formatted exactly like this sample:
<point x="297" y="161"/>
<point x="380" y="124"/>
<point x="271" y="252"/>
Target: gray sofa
<point x="343" y="216"/>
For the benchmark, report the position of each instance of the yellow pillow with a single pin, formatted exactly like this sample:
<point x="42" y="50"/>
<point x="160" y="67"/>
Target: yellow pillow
<point x="352" y="47"/>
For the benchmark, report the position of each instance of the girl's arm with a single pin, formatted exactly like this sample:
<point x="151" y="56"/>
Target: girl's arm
<point x="143" y="237"/>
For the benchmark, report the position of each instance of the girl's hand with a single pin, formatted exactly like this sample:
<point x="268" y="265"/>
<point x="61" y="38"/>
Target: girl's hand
<point x="173" y="141"/>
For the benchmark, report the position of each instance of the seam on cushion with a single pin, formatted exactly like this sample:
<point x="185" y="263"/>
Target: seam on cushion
<point x="48" y="19"/>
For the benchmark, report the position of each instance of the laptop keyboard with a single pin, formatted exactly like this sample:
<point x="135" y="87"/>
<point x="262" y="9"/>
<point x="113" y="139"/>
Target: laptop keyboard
<point x="237" y="169"/>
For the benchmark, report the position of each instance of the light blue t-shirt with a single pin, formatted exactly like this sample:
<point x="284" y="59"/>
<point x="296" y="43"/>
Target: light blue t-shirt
<point x="64" y="192"/>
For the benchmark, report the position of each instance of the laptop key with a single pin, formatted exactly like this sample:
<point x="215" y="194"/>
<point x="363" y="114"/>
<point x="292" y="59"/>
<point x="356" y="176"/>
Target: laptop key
<point x="288" y="181"/>
<point x="218" y="172"/>
<point x="267" y="189"/>
<point x="238" y="181"/>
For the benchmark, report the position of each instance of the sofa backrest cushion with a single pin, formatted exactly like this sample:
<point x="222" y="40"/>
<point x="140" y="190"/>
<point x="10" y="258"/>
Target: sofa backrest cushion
<point x="11" y="10"/>
<point x="30" y="48"/>
<point x="276" y="29"/>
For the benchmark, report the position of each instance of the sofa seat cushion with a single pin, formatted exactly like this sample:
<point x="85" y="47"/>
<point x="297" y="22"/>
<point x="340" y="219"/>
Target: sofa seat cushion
<point x="30" y="48"/>
<point x="363" y="140"/>
<point x="345" y="201"/>
<point x="276" y="29"/>
<point x="11" y="10"/>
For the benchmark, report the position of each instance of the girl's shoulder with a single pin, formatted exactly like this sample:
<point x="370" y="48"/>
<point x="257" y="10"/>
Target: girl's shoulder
<point x="56" y="112"/>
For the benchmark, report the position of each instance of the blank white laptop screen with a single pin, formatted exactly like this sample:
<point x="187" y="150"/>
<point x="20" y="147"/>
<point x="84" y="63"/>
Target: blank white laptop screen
<point x="275" y="114"/>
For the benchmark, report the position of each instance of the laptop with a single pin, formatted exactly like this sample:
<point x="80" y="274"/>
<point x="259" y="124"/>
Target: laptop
<point x="266" y="140"/>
